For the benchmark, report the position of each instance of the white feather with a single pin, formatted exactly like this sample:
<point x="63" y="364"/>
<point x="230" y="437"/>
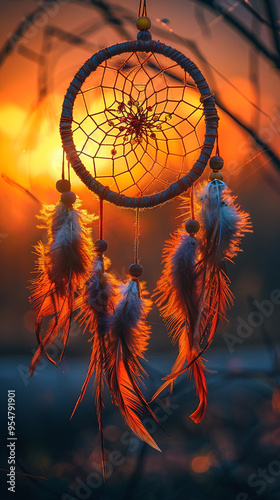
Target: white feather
<point x="130" y="307"/>
<point x="220" y="219"/>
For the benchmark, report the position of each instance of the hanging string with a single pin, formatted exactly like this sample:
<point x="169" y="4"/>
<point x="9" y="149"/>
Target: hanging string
<point x="136" y="243"/>
<point x="192" y="203"/>
<point x="101" y="218"/>
<point x="63" y="165"/>
<point x="142" y="11"/>
<point x="69" y="170"/>
<point x="217" y="146"/>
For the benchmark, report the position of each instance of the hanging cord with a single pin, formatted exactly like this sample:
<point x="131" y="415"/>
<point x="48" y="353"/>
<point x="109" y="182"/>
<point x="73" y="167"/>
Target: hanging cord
<point x="136" y="242"/>
<point x="192" y="204"/>
<point x="63" y="165"/>
<point x="69" y="170"/>
<point x="101" y="218"/>
<point x="142" y="11"/>
<point x="217" y="146"/>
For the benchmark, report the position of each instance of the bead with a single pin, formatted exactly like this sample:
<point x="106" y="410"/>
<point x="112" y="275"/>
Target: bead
<point x="135" y="270"/>
<point x="63" y="185"/>
<point x="216" y="163"/>
<point x="100" y="246"/>
<point x="68" y="198"/>
<point x="144" y="35"/>
<point x="216" y="175"/>
<point x="192" y="226"/>
<point x="143" y="23"/>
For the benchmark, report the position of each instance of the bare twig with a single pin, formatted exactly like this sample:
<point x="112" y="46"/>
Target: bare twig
<point x="251" y="37"/>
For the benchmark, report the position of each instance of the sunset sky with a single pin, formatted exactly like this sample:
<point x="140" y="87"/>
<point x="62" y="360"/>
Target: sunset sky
<point x="34" y="78"/>
<point x="56" y="456"/>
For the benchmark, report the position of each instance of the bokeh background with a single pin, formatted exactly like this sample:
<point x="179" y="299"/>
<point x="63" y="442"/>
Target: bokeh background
<point x="235" y="451"/>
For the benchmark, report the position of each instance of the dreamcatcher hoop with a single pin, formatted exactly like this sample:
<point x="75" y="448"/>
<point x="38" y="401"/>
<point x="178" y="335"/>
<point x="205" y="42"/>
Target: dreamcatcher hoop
<point x="210" y="117"/>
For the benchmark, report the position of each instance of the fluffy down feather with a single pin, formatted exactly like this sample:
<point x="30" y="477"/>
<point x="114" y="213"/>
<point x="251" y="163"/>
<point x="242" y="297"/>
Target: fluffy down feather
<point x="193" y="292"/>
<point x="96" y="302"/>
<point x="177" y="295"/>
<point x="129" y="334"/>
<point x="62" y="266"/>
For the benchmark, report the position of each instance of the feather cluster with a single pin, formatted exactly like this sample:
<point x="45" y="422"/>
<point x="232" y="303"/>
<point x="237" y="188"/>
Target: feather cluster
<point x="62" y="266"/>
<point x="96" y="303"/>
<point x="72" y="277"/>
<point x="116" y="317"/>
<point x="128" y="338"/>
<point x="193" y="292"/>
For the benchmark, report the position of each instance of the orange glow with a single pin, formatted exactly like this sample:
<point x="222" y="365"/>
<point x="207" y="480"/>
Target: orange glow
<point x="201" y="464"/>
<point x="11" y="120"/>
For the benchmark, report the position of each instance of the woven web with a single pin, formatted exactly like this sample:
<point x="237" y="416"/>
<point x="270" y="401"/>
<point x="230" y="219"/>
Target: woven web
<point x="137" y="123"/>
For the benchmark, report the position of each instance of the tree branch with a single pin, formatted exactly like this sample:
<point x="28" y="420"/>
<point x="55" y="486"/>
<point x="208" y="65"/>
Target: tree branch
<point x="242" y="29"/>
<point x="271" y="12"/>
<point x="272" y="155"/>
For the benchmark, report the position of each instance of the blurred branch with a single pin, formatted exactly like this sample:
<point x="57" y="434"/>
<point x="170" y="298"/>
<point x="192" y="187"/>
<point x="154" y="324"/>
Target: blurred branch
<point x="21" y="188"/>
<point x="27" y="22"/>
<point x="271" y="12"/>
<point x="23" y="27"/>
<point x="249" y="35"/>
<point x="255" y="14"/>
<point x="272" y="155"/>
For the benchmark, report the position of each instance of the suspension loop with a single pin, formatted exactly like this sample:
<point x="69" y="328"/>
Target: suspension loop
<point x="142" y="11"/>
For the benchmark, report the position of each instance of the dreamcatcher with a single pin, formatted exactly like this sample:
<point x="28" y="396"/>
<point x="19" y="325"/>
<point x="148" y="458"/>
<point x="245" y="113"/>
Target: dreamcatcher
<point x="138" y="126"/>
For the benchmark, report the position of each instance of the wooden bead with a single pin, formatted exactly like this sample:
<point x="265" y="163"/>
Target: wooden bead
<point x="143" y="23"/>
<point x="192" y="226"/>
<point x="68" y="198"/>
<point x="216" y="175"/>
<point x="100" y="246"/>
<point x="63" y="185"/>
<point x="216" y="163"/>
<point x="135" y="270"/>
<point x="144" y="35"/>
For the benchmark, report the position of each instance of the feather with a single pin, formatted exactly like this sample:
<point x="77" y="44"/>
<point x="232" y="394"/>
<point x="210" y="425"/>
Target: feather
<point x="177" y="296"/>
<point x="62" y="267"/>
<point x="193" y="292"/>
<point x="222" y="222"/>
<point x="128" y="339"/>
<point x="223" y="225"/>
<point x="96" y="303"/>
